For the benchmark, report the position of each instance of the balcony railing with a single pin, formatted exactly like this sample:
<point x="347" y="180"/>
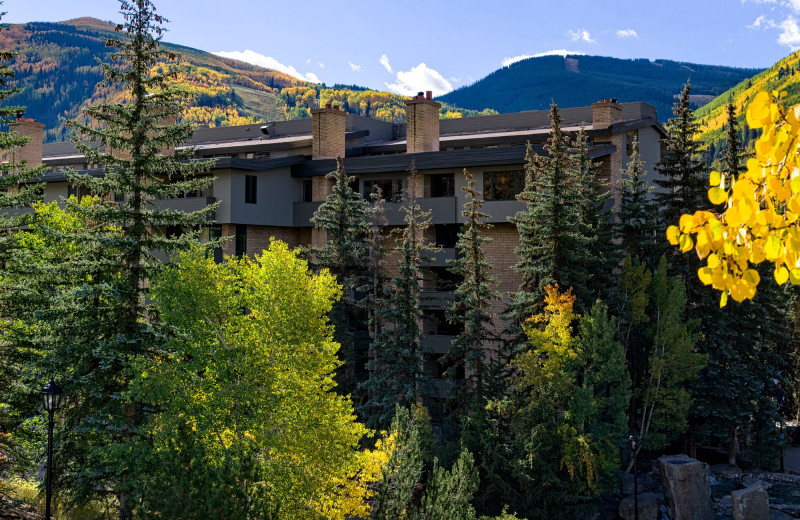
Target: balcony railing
<point x="443" y="211"/>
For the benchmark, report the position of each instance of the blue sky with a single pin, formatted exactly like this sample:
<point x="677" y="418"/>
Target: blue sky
<point x="406" y="47"/>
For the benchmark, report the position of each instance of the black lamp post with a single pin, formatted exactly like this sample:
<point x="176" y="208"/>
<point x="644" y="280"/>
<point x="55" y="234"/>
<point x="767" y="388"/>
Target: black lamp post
<point x="51" y="398"/>
<point x="635" y="441"/>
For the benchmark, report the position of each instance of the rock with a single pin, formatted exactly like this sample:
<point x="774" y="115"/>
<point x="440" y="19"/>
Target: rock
<point x="751" y="504"/>
<point x="725" y="470"/>
<point x="712" y="481"/>
<point x="686" y="487"/>
<point x="626" y="479"/>
<point x="648" y="507"/>
<point x="754" y="482"/>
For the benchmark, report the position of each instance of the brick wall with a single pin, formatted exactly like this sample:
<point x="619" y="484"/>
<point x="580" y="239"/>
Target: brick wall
<point x="328" y="130"/>
<point x="31" y="153"/>
<point x="604" y="113"/>
<point x="422" y="125"/>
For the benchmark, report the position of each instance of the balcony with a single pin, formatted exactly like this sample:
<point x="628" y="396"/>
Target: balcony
<point x="436" y="300"/>
<point x="443" y="258"/>
<point x="436" y="343"/>
<point x="443" y="211"/>
<point x="186" y="205"/>
<point x="500" y="210"/>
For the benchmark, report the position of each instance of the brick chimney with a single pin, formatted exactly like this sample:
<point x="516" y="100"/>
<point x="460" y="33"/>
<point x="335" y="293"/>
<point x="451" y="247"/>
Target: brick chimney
<point x="422" y="123"/>
<point x="328" y="129"/>
<point x="31" y="153"/>
<point x="605" y="112"/>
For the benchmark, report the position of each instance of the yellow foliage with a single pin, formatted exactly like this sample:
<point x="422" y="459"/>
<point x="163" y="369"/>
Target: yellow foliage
<point x="355" y="490"/>
<point x="761" y="209"/>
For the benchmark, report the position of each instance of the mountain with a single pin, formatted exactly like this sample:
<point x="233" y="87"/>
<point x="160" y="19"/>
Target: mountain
<point x="579" y="80"/>
<point x="782" y="76"/>
<point x="57" y="68"/>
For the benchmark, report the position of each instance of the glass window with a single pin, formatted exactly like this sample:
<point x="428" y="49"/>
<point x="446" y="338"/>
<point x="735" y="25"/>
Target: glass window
<point x="503" y="185"/>
<point x="241" y="240"/>
<point x="443" y="185"/>
<point x="250" y="189"/>
<point x="391" y="189"/>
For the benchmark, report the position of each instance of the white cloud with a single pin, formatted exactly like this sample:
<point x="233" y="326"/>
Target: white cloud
<point x="794" y="5"/>
<point x="308" y="61"/>
<point x="385" y="62"/>
<point x="420" y="79"/>
<point x="580" y="34"/>
<point x="627" y="33"/>
<point x="761" y="21"/>
<point x="353" y="66"/>
<point x="790" y="35"/>
<point x="269" y="62"/>
<point x="555" y="52"/>
<point x="321" y="65"/>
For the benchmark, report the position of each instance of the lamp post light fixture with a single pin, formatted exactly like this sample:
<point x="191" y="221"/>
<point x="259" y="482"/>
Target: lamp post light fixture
<point x="635" y="441"/>
<point x="51" y="398"/>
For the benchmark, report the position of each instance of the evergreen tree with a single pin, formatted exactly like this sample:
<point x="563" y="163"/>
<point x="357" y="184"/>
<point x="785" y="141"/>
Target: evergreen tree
<point x="473" y="297"/>
<point x="733" y="157"/>
<point x="343" y="218"/>
<point x="99" y="323"/>
<point x="636" y="231"/>
<point x="683" y="174"/>
<point x="16" y="190"/>
<point x="555" y="242"/>
<point x="448" y="493"/>
<point x="396" y="375"/>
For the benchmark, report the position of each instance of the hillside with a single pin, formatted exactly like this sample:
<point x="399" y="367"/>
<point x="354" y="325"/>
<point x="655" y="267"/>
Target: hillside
<point x="783" y="75"/>
<point x="572" y="81"/>
<point x="57" y="68"/>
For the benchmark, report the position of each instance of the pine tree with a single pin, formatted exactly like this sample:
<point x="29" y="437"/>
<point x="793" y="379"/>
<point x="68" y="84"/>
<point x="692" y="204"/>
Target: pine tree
<point x="637" y="231"/>
<point x="683" y="179"/>
<point x="473" y="297"/>
<point x="555" y="242"/>
<point x="343" y="218"/>
<point x="99" y="321"/>
<point x="396" y="375"/>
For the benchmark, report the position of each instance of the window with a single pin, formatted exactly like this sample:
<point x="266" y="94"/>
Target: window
<point x="629" y="137"/>
<point x="241" y="240"/>
<point x="446" y="234"/>
<point x="443" y="185"/>
<point x="503" y="185"/>
<point x="308" y="190"/>
<point x="79" y="191"/>
<point x="391" y="189"/>
<point x="250" y="183"/>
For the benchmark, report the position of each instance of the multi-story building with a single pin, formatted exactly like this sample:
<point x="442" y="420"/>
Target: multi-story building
<point x="270" y="179"/>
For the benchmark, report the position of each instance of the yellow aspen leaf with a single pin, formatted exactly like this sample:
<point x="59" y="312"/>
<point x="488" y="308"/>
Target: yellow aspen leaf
<point x="704" y="273"/>
<point x="723" y="300"/>
<point x="714" y="178"/>
<point x="703" y="244"/>
<point x="686" y="224"/>
<point x="752" y="277"/>
<point x="685" y="243"/>
<point x="739" y="291"/>
<point x="781" y="275"/>
<point x="796" y="185"/>
<point x="713" y="261"/>
<point x="757" y="253"/>
<point x="773" y="247"/>
<point x="718" y="279"/>
<point x="717" y="195"/>
<point x="794" y="276"/>
<point x="673" y="235"/>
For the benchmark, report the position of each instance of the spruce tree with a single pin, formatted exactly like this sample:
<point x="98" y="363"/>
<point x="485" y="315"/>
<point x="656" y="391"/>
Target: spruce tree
<point x="683" y="182"/>
<point x="473" y="298"/>
<point x="99" y="321"/>
<point x="636" y="231"/>
<point x="343" y="218"/>
<point x="555" y="242"/>
<point x="396" y="375"/>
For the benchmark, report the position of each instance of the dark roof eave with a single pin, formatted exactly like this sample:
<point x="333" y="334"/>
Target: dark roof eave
<point x="442" y="160"/>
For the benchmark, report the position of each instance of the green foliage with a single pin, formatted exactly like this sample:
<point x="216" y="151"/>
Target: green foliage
<point x="247" y="413"/>
<point x="569" y="418"/>
<point x="343" y="219"/>
<point x="83" y="301"/>
<point x="535" y="83"/>
<point x="448" y="493"/>
<point x="396" y="375"/>
<point x="473" y="298"/>
<point x="555" y="240"/>
<point x="636" y="230"/>
<point x="672" y="363"/>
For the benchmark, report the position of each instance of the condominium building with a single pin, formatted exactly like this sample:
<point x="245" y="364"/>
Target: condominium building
<point x="270" y="178"/>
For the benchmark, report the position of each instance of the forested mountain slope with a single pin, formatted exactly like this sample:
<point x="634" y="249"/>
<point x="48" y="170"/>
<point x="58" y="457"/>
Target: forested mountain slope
<point x="578" y="80"/>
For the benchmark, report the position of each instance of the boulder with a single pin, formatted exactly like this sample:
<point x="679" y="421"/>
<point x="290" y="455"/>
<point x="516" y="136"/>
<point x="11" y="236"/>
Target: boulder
<point x="750" y="504"/>
<point x="648" y="507"/>
<point x="686" y="487"/>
